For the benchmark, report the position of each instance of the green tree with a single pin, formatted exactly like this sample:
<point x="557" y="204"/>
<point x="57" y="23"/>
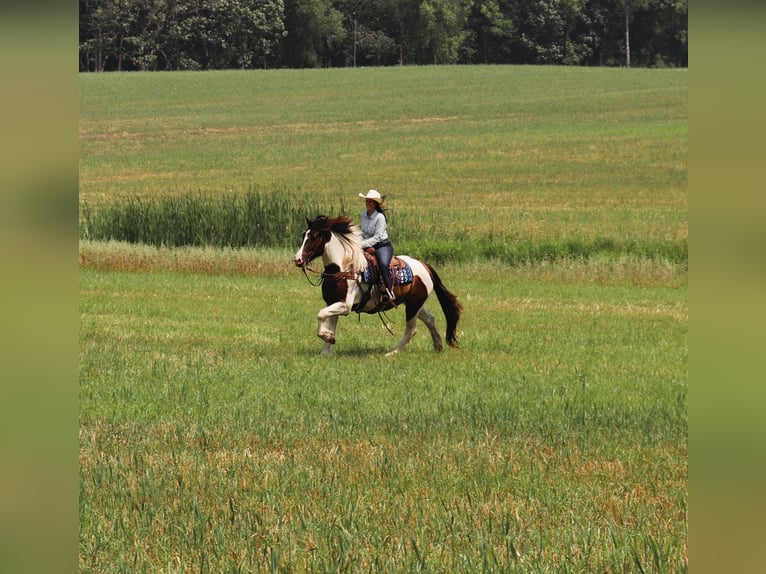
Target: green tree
<point x="490" y="29"/>
<point x="214" y="34"/>
<point x="104" y="27"/>
<point x="442" y="23"/>
<point x="231" y="33"/>
<point x="174" y="34"/>
<point x="662" y="28"/>
<point x="315" y="34"/>
<point x="383" y="30"/>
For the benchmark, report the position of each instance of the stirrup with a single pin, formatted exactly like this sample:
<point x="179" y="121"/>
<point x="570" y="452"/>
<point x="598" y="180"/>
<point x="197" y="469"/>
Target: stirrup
<point x="387" y="296"/>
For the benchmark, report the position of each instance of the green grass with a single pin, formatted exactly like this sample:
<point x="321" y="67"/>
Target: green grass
<point x="214" y="439"/>
<point x="250" y="219"/>
<point x="554" y="203"/>
<point x="521" y="153"/>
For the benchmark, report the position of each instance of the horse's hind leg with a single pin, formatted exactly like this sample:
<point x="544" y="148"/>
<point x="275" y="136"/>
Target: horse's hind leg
<point x="413" y="311"/>
<point x="428" y="318"/>
<point x="410" y="329"/>
<point x="416" y="297"/>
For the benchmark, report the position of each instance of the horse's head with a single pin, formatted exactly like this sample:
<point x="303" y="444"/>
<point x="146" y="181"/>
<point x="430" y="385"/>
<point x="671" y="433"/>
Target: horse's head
<point x="316" y="236"/>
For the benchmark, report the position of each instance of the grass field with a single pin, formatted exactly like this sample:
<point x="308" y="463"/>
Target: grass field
<point x="214" y="439"/>
<point x="511" y="152"/>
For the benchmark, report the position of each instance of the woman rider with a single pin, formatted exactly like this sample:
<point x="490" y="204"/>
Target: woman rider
<point x="375" y="235"/>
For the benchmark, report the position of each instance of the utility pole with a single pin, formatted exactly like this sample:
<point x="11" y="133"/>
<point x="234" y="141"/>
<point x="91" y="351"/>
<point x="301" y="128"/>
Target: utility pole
<point x="627" y="35"/>
<point x="355" y="42"/>
<point x="356" y="22"/>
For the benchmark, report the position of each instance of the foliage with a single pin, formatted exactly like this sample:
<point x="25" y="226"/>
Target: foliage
<point x="168" y="35"/>
<point x="315" y="34"/>
<point x="220" y="34"/>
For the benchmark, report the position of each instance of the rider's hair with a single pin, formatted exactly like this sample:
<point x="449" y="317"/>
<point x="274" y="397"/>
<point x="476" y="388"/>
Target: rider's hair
<point x="379" y="206"/>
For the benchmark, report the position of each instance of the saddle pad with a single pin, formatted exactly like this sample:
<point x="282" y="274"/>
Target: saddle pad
<point x="400" y="274"/>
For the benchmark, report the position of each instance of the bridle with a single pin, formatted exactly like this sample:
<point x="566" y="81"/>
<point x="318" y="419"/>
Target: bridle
<point x="337" y="277"/>
<point x="340" y="275"/>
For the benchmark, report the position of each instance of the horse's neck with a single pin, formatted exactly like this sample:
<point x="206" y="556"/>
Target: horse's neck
<point x="334" y="253"/>
<point x="343" y="256"/>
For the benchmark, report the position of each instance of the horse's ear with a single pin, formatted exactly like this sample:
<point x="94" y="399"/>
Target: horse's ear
<point x="320" y="223"/>
<point x="308" y="221"/>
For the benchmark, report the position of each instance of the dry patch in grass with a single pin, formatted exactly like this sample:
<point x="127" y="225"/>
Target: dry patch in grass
<point x="120" y="256"/>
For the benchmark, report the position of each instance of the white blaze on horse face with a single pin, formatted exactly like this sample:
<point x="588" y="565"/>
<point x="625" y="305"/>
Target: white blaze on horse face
<point x="298" y="257"/>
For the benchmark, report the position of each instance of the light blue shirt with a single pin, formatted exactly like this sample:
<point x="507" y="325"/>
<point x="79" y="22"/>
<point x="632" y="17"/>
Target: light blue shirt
<point x="373" y="228"/>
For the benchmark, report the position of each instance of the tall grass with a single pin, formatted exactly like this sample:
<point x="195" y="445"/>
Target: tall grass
<point x="256" y="219"/>
<point x="250" y="219"/>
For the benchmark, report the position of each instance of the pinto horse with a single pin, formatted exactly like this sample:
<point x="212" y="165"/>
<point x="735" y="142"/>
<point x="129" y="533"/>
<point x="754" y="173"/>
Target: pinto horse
<point x="338" y="241"/>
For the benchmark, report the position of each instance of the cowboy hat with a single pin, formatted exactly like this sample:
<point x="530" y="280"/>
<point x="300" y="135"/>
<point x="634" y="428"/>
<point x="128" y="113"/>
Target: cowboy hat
<point x="374" y="195"/>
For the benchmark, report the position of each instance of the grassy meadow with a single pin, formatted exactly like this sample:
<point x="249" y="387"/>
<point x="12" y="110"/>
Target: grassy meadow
<point x="214" y="439"/>
<point x="518" y="153"/>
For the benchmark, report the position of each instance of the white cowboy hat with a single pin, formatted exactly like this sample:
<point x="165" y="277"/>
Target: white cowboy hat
<point x="374" y="195"/>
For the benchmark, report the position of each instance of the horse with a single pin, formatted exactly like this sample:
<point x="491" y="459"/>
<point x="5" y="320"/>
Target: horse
<point x="344" y="289"/>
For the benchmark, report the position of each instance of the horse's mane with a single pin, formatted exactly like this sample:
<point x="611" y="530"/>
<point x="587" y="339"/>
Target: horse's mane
<point x="348" y="234"/>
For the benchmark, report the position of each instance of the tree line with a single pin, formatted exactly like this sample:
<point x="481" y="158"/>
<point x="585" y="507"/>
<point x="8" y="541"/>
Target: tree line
<point x="124" y="35"/>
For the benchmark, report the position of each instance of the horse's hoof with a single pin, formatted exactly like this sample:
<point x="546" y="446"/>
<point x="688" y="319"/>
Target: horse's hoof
<point x="327" y="337"/>
<point x="392" y="353"/>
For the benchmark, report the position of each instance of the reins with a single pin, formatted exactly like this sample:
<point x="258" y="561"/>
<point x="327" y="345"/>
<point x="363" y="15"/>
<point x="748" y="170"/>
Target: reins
<point x="322" y="275"/>
<point x="382" y="320"/>
<point x="337" y="276"/>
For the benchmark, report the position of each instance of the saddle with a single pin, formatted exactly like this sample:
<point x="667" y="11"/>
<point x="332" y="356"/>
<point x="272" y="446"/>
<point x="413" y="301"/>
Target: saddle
<point x="401" y="274"/>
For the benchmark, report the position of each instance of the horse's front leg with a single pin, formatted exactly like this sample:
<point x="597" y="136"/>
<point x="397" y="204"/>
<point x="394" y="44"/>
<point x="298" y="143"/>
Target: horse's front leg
<point x="330" y="326"/>
<point x="327" y="319"/>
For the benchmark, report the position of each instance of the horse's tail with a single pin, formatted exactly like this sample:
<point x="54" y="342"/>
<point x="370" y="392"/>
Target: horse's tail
<point x="450" y="305"/>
